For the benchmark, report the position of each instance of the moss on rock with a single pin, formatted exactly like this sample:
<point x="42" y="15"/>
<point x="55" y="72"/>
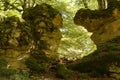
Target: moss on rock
<point x="98" y="63"/>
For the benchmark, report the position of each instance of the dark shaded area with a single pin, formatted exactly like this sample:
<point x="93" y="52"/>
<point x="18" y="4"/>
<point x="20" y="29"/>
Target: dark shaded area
<point x="97" y="64"/>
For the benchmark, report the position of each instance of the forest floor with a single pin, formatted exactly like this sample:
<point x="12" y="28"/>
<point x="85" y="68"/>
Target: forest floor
<point x="76" y="76"/>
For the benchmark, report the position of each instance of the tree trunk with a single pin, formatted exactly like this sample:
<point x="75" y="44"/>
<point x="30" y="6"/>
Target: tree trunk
<point x="101" y="4"/>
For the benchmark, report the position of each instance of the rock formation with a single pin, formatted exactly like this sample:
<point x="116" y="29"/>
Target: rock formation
<point x="38" y="32"/>
<point x="105" y="26"/>
<point x="45" y="23"/>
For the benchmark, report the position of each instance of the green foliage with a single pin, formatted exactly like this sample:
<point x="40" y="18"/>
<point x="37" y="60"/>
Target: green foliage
<point x="11" y="74"/>
<point x="32" y="65"/>
<point x="7" y="72"/>
<point x="36" y="67"/>
<point x="3" y="63"/>
<point x="40" y="56"/>
<point x="38" y="62"/>
<point x="83" y="76"/>
<point x="4" y="71"/>
<point x="22" y="75"/>
<point x="63" y="72"/>
<point x="76" y="41"/>
<point x="113" y="45"/>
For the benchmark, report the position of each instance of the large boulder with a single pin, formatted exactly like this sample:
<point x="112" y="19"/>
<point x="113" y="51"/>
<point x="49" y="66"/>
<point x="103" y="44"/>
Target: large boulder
<point x="14" y="42"/>
<point x="104" y="24"/>
<point x="39" y="31"/>
<point x="45" y="22"/>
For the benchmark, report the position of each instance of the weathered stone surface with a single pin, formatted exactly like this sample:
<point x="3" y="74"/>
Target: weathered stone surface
<point x="45" y="22"/>
<point x="39" y="32"/>
<point x="104" y="24"/>
<point x="11" y="43"/>
<point x="107" y="32"/>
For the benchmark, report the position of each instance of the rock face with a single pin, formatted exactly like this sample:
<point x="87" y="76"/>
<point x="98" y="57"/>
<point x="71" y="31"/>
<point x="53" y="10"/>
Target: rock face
<point x="14" y="47"/>
<point x="104" y="62"/>
<point x="39" y="32"/>
<point x="104" y="24"/>
<point x="45" y="23"/>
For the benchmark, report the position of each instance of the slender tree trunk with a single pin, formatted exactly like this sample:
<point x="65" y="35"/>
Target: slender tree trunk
<point x="101" y="4"/>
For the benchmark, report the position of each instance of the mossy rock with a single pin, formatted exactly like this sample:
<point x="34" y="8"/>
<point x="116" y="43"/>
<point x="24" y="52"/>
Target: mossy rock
<point x="96" y="65"/>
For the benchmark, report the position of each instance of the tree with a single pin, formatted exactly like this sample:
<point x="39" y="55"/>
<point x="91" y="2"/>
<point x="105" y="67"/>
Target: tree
<point x="101" y="4"/>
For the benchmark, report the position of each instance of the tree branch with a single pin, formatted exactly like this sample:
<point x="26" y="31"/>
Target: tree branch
<point x="13" y="6"/>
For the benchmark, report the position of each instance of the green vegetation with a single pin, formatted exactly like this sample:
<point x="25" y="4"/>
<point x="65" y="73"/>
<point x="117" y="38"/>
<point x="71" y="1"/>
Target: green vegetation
<point x="38" y="62"/>
<point x="3" y="68"/>
<point x="63" y="72"/>
<point x="3" y="63"/>
<point x="8" y="73"/>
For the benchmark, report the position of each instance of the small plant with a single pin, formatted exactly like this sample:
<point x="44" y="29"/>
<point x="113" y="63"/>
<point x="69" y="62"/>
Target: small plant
<point x="3" y="63"/>
<point x="33" y="65"/>
<point x="38" y="62"/>
<point x="63" y="72"/>
<point x="7" y="72"/>
<point x="24" y="75"/>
